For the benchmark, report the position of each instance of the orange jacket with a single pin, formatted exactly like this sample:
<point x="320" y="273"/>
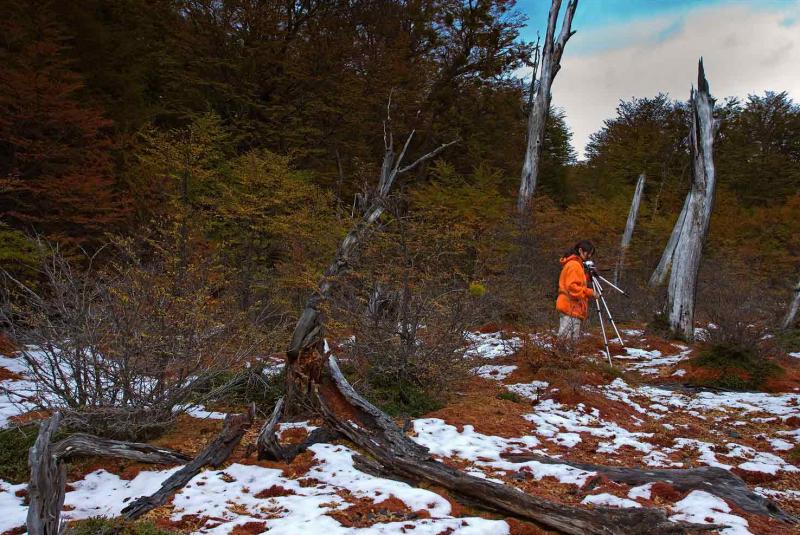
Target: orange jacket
<point x="573" y="292"/>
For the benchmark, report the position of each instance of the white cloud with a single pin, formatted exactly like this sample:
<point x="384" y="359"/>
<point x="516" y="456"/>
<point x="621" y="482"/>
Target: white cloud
<point x="745" y="50"/>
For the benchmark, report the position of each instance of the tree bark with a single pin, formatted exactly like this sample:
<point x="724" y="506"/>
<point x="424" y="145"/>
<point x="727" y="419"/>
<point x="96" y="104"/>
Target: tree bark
<point x="550" y="63"/>
<point x="47" y="484"/>
<point x="791" y="315"/>
<point x="629" y="225"/>
<point x="688" y="251"/>
<point x="717" y="481"/>
<point x="659" y="276"/>
<point x="214" y="454"/>
<point x="83" y="444"/>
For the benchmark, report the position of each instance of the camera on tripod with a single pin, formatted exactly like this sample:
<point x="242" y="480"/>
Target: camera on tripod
<point x="596" y="281"/>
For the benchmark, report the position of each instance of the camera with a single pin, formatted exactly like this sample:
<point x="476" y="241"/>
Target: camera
<point x="590" y="267"/>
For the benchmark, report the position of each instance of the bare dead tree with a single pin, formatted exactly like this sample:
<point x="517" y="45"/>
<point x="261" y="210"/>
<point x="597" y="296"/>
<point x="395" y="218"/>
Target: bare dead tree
<point x="659" y="275"/>
<point x="629" y="225"/>
<point x="549" y="63"/>
<point x="791" y="314"/>
<point x="688" y="250"/>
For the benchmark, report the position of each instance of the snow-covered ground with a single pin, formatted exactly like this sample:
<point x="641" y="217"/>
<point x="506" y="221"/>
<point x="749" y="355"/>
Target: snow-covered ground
<point x="636" y="424"/>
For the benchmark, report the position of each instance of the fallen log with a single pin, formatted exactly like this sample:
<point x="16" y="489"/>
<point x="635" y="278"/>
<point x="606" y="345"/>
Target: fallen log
<point x="214" y="454"/>
<point x="373" y="431"/>
<point x="47" y="484"/>
<point x="717" y="481"/>
<point x="84" y="444"/>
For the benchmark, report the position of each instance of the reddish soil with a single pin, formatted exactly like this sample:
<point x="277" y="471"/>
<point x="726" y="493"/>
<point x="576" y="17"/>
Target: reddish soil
<point x="7" y="347"/>
<point x="479" y="406"/>
<point x="28" y="417"/>
<point x="249" y="528"/>
<point x="273" y="492"/>
<point x="364" y="512"/>
<point x="8" y="375"/>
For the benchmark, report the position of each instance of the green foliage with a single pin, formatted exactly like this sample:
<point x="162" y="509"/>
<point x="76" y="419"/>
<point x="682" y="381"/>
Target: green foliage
<point x="735" y="367"/>
<point x="789" y="340"/>
<point x="19" y="255"/>
<point x="403" y="399"/>
<point x="14" y="445"/>
<point x="462" y="223"/>
<point x="659" y="326"/>
<point x="276" y="226"/>
<point x="115" y="526"/>
<point x="758" y="151"/>
<point x="510" y="396"/>
<point x="477" y="289"/>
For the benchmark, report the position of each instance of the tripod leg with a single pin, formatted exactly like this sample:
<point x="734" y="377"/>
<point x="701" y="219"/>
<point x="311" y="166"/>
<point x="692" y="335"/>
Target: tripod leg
<point x="611" y="321"/>
<point x="602" y="325"/>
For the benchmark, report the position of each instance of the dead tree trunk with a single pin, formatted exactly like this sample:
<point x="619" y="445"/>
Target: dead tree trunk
<point x="791" y="315"/>
<point x="629" y="225"/>
<point x="686" y="262"/>
<point x="48" y="480"/>
<point x="548" y="65"/>
<point x="662" y="270"/>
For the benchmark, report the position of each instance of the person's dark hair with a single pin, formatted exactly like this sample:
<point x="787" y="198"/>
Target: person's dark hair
<point x="586" y="245"/>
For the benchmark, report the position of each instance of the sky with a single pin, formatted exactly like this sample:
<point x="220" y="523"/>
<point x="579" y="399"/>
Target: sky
<point x="638" y="48"/>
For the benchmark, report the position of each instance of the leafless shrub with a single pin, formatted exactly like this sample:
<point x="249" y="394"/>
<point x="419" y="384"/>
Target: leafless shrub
<point x="407" y="346"/>
<point x="119" y="350"/>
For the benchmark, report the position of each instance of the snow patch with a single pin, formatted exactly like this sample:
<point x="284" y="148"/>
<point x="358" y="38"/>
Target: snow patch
<point x="490" y="371"/>
<point x="701" y="507"/>
<point x="609" y="500"/>
<point x="532" y="390"/>
<point x="642" y="491"/>
<point x="491" y="345"/>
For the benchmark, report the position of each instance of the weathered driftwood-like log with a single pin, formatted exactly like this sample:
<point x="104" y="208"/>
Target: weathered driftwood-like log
<point x="214" y="454"/>
<point x="377" y="434"/>
<point x="550" y="63"/>
<point x="791" y="314"/>
<point x="682" y="287"/>
<point x="662" y="269"/>
<point x="47" y="484"/>
<point x="629" y="226"/>
<point x="717" y="481"/>
<point x="83" y="444"/>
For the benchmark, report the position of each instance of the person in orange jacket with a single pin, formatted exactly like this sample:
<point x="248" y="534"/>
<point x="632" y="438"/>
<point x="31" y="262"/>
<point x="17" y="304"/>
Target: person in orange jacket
<point x="574" y="292"/>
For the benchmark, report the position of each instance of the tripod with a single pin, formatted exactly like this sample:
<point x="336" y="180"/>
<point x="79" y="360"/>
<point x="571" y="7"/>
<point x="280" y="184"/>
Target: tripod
<point x="596" y="280"/>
